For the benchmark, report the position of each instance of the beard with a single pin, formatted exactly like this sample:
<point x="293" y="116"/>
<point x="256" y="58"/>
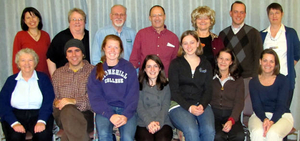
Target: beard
<point x="118" y="25"/>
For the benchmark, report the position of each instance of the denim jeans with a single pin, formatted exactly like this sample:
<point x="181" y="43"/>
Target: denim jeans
<point x="194" y="128"/>
<point x="105" y="127"/>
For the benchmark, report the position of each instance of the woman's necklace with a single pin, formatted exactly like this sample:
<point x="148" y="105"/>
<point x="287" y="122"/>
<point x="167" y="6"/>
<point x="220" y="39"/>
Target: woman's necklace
<point x="35" y="37"/>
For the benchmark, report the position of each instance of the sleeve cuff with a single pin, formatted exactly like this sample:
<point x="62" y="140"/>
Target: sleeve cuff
<point x="232" y="120"/>
<point x="14" y="124"/>
<point x="41" y="121"/>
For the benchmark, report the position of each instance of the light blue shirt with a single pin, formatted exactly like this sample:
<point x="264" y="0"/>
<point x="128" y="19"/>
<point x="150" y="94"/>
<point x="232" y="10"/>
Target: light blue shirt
<point x="127" y="36"/>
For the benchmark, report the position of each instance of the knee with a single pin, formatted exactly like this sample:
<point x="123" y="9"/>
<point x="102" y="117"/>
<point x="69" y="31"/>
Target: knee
<point x="68" y="110"/>
<point x="272" y="134"/>
<point x="256" y="133"/>
<point x="240" y="136"/>
<point x="220" y="136"/>
<point x="44" y="136"/>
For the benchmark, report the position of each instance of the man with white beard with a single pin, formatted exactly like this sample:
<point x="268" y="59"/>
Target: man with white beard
<point x="127" y="35"/>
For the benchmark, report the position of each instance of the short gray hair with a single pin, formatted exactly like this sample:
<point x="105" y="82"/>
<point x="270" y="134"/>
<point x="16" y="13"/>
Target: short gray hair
<point x="27" y="51"/>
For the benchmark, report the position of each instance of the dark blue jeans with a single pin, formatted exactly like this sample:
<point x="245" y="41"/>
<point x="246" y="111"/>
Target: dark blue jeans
<point x="105" y="127"/>
<point x="194" y="128"/>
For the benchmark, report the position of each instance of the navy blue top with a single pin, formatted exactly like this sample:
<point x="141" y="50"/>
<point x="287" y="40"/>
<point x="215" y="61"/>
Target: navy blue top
<point x="6" y="110"/>
<point x="271" y="98"/>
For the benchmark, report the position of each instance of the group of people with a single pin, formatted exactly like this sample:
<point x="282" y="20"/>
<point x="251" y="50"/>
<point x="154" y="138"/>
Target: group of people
<point x="196" y="84"/>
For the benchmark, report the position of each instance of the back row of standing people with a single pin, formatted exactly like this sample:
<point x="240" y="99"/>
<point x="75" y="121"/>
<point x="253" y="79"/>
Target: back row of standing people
<point x="244" y="40"/>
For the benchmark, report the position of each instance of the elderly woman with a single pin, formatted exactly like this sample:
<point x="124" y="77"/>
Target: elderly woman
<point x="56" y="56"/>
<point x="113" y="91"/>
<point x="26" y="101"/>
<point x="190" y="78"/>
<point x="271" y="120"/>
<point x="203" y="20"/>
<point x="153" y="121"/>
<point x="32" y="36"/>
<point x="227" y="98"/>
<point x="285" y="42"/>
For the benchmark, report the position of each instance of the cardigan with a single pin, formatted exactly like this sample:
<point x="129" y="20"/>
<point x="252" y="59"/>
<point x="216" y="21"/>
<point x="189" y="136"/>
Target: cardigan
<point x="187" y="90"/>
<point x="153" y="105"/>
<point x="229" y="97"/>
<point x="293" y="52"/>
<point x="6" y="110"/>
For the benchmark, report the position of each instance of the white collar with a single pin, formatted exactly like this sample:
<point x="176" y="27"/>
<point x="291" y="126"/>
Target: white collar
<point x="20" y="77"/>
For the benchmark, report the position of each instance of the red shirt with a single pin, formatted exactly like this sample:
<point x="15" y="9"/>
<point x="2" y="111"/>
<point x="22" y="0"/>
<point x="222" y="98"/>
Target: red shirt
<point x="147" y="41"/>
<point x="24" y="40"/>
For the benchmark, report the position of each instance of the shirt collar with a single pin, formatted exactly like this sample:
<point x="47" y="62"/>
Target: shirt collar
<point x="20" y="77"/>
<point x="229" y="77"/>
<point x="163" y="31"/>
<point x="282" y="29"/>
<point x="238" y="28"/>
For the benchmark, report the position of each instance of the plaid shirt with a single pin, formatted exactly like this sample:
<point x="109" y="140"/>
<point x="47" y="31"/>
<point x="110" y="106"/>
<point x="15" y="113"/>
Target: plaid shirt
<point x="70" y="84"/>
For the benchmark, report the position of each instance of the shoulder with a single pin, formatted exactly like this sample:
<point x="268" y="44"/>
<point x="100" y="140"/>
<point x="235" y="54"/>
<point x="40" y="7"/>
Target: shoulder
<point x="21" y="33"/>
<point x="144" y="30"/>
<point x="125" y="63"/>
<point x="88" y="66"/>
<point x="250" y="29"/>
<point x="290" y="30"/>
<point x="225" y="30"/>
<point x="128" y="29"/>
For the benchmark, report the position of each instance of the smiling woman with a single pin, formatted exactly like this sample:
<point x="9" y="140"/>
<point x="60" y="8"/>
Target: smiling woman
<point x="26" y="101"/>
<point x="32" y="37"/>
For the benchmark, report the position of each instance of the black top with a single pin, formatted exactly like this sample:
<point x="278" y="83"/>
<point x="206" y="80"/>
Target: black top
<point x="207" y="50"/>
<point x="189" y="90"/>
<point x="56" y="50"/>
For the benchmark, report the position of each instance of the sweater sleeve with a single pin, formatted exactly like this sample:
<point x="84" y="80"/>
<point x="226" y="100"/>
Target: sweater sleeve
<point x="6" y="113"/>
<point x="16" y="48"/>
<point x="48" y="97"/>
<point x="163" y="114"/>
<point x="176" y="95"/>
<point x="282" y="97"/>
<point x="256" y="101"/>
<point x="238" y="103"/>
<point x="296" y="45"/>
<point x="95" y="93"/>
<point x="257" y="47"/>
<point x="132" y="93"/>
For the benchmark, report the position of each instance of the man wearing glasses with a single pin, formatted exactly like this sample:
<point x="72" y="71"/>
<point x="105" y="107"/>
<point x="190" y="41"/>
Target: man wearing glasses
<point x="127" y="35"/>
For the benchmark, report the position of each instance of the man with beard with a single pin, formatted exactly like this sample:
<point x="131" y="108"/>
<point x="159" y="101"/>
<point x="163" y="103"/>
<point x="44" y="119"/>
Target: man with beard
<point x="127" y="35"/>
<point x="156" y="39"/>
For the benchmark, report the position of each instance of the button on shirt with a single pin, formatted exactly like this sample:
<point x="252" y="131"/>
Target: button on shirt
<point x="164" y="44"/>
<point x="127" y="36"/>
<point x="27" y="94"/>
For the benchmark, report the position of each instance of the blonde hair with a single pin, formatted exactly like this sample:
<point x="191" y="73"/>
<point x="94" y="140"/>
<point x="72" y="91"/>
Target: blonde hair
<point x="27" y="51"/>
<point x="203" y="11"/>
<point x="81" y="12"/>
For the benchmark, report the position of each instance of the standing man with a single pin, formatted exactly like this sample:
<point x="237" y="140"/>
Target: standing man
<point x="127" y="35"/>
<point x="244" y="41"/>
<point x="156" y="39"/>
<point x="71" y="104"/>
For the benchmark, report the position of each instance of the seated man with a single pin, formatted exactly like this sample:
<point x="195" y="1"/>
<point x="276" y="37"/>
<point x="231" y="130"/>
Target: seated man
<point x="71" y="105"/>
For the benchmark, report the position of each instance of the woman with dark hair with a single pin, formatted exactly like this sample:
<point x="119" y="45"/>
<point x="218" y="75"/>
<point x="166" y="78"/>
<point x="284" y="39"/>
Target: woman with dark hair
<point x="190" y="84"/>
<point x="153" y="123"/>
<point x="26" y="101"/>
<point x="32" y="36"/>
<point x="227" y="98"/>
<point x="271" y="120"/>
<point x="114" y="92"/>
<point x="285" y="42"/>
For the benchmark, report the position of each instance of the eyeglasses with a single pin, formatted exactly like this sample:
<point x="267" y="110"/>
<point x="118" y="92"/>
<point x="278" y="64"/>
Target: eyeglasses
<point x="79" y="20"/>
<point x="117" y="15"/>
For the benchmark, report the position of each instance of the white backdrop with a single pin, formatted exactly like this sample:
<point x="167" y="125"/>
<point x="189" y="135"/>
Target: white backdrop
<point x="54" y="14"/>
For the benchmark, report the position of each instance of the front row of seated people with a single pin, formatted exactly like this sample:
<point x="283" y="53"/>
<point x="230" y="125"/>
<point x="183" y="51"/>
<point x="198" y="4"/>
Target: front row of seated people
<point x="204" y="106"/>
